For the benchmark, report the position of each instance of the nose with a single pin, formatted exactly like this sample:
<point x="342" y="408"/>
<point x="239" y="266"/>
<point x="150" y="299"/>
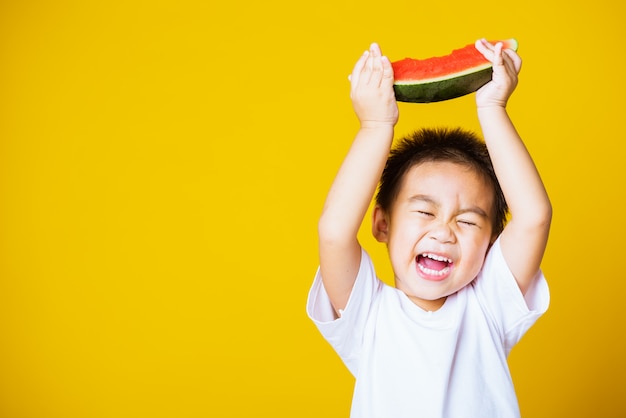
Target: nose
<point x="443" y="233"/>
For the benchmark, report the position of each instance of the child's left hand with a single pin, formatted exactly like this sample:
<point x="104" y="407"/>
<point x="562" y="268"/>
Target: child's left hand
<point x="506" y="66"/>
<point x="372" y="91"/>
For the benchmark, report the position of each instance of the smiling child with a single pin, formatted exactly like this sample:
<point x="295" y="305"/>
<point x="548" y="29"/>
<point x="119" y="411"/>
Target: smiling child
<point x="468" y="284"/>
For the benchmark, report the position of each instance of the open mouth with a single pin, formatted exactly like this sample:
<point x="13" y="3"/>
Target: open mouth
<point x="434" y="265"/>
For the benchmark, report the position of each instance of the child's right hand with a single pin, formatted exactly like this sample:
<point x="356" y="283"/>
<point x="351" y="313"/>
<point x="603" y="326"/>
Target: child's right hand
<point x="372" y="94"/>
<point x="506" y="67"/>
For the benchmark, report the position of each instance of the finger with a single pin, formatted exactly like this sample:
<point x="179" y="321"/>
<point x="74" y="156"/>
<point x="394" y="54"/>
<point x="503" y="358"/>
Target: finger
<point x="512" y="62"/>
<point x="377" y="74"/>
<point x="368" y="69"/>
<point x="499" y="65"/>
<point x="387" y="70"/>
<point x="485" y="48"/>
<point x="487" y="44"/>
<point x="508" y="64"/>
<point x="498" y="59"/>
<point x="374" y="66"/>
<point x="375" y="50"/>
<point x="358" y="68"/>
<point x="515" y="59"/>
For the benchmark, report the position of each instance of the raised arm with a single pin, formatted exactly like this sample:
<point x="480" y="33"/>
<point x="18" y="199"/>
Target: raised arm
<point x="355" y="184"/>
<point x="524" y="239"/>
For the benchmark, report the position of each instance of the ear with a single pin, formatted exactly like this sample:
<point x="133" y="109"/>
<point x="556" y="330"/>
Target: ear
<point x="380" y="224"/>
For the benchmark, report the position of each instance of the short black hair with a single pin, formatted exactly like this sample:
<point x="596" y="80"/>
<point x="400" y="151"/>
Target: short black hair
<point x="454" y="145"/>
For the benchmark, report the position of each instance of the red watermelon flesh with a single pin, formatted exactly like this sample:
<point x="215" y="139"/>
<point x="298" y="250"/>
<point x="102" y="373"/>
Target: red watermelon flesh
<point x="441" y="78"/>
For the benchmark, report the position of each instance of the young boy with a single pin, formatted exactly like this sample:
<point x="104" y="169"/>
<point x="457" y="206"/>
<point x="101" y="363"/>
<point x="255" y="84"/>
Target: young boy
<point x="467" y="287"/>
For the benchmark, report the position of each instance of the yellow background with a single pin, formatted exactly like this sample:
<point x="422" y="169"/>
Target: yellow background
<point x="163" y="164"/>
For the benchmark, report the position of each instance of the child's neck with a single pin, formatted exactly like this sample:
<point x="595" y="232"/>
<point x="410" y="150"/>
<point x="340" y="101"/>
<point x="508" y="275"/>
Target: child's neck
<point x="428" y="305"/>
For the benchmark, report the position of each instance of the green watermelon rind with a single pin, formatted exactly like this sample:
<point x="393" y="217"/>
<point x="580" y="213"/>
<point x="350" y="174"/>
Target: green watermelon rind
<point x="443" y="89"/>
<point x="449" y="87"/>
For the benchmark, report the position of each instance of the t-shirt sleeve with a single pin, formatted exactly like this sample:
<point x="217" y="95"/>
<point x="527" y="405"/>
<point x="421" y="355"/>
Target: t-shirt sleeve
<point x="513" y="312"/>
<point x="345" y="334"/>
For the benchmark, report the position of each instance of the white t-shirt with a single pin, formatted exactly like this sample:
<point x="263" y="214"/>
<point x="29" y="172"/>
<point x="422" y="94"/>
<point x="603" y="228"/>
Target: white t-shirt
<point x="449" y="363"/>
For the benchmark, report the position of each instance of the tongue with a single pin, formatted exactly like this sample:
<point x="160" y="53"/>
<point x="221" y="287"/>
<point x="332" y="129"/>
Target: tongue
<point x="433" y="264"/>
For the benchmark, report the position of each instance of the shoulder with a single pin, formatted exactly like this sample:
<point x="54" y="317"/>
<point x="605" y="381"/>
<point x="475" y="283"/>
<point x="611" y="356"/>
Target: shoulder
<point x="366" y="286"/>
<point x="502" y="300"/>
<point x="496" y="277"/>
<point x="347" y="332"/>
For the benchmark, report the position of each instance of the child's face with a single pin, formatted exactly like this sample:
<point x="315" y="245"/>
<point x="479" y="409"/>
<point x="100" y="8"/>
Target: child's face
<point x="438" y="231"/>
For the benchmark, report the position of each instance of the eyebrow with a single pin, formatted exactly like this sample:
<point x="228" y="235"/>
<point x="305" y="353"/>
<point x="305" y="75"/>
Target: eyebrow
<point x="427" y="199"/>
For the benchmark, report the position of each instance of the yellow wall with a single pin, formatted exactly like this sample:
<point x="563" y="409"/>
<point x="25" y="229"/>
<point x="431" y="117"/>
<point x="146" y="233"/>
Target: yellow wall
<point x="163" y="164"/>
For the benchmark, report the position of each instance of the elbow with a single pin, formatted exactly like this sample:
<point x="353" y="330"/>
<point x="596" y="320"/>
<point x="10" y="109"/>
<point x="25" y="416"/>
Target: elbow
<point x="540" y="219"/>
<point x="545" y="214"/>
<point x="541" y="216"/>
<point x="533" y="219"/>
<point x="334" y="232"/>
<point x="328" y="230"/>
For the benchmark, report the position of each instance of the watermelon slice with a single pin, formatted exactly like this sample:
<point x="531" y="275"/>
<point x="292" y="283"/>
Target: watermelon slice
<point x="435" y="79"/>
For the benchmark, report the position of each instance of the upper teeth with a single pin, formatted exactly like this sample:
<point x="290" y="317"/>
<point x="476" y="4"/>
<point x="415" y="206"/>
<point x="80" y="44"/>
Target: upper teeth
<point x="437" y="257"/>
